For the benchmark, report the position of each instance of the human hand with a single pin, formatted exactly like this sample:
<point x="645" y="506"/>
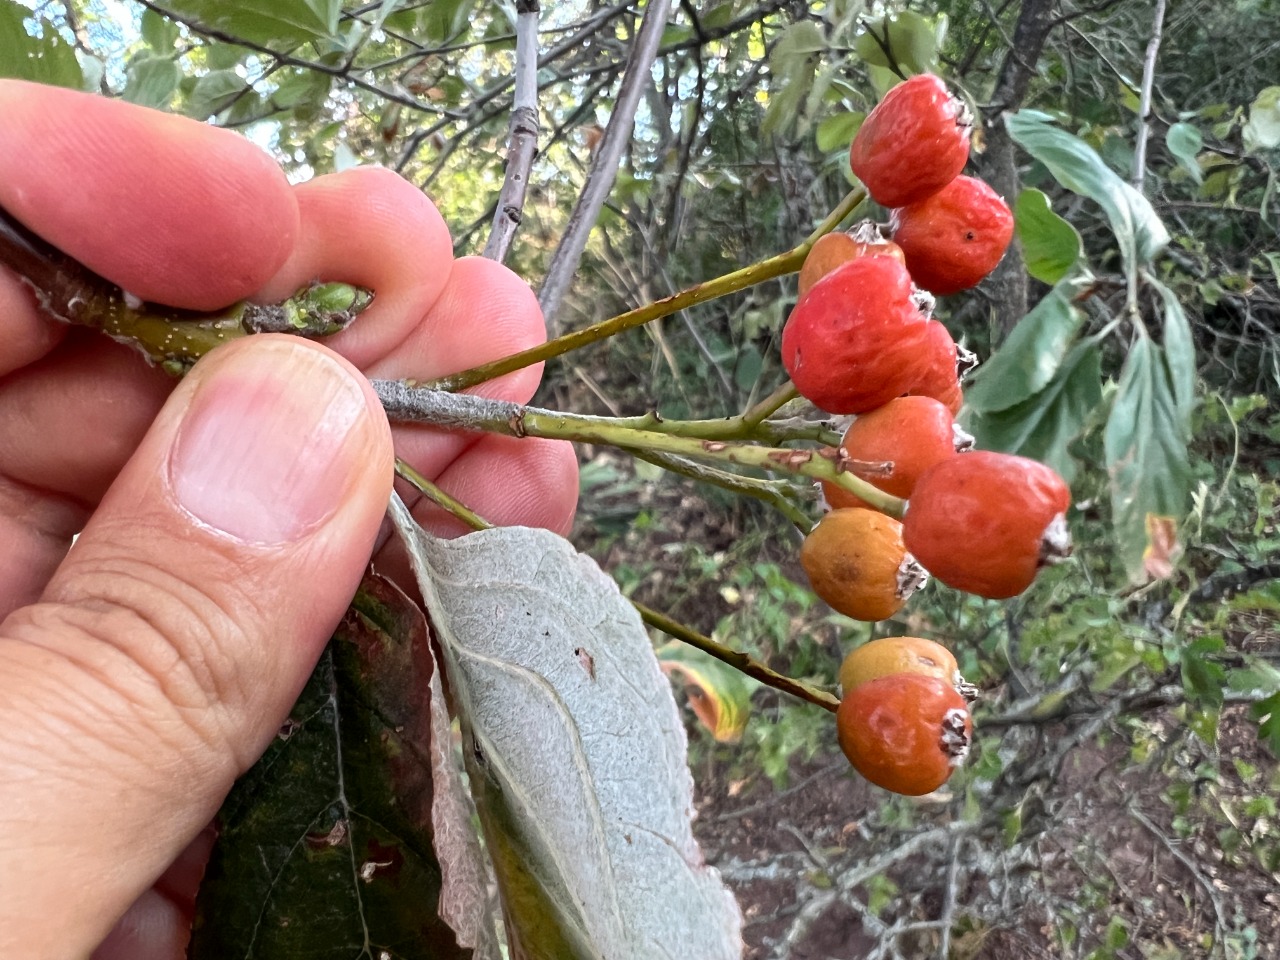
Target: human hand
<point x="226" y="519"/>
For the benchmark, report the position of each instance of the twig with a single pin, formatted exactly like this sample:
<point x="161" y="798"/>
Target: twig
<point x="441" y="499"/>
<point x="524" y="134"/>
<point x="780" y="265"/>
<point x="564" y="262"/>
<point x="1144" y="102"/>
<point x="740" y="661"/>
<point x="455" y="411"/>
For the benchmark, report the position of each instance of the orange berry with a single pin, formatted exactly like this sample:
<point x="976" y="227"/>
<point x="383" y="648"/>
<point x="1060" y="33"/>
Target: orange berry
<point x="856" y="563"/>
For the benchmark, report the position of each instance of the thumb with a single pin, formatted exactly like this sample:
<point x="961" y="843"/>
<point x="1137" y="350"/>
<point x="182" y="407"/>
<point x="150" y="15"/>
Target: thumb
<point x="172" y="641"/>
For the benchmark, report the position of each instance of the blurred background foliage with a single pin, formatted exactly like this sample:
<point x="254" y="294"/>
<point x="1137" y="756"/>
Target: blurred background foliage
<point x="1121" y="800"/>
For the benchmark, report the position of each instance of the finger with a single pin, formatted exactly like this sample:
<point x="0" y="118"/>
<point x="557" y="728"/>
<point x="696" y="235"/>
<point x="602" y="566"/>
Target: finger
<point x="370" y="227"/>
<point x="506" y="481"/>
<point x="172" y="641"/>
<point x="208" y="204"/>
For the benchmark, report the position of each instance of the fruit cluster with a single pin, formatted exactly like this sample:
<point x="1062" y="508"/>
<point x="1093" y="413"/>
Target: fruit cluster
<point x="862" y="340"/>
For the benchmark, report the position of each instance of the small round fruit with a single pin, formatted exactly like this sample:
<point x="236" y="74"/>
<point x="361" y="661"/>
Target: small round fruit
<point x="986" y="522"/>
<point x="833" y="249"/>
<point x="892" y="655"/>
<point x="954" y="238"/>
<point x="856" y="339"/>
<point x="905" y="732"/>
<point x="913" y="143"/>
<point x="909" y="433"/>
<point x="856" y="563"/>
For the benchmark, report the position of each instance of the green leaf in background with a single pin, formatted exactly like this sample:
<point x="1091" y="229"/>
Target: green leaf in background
<point x="445" y="20"/>
<point x="912" y="40"/>
<point x="1027" y="360"/>
<point x="719" y="695"/>
<point x="1077" y="166"/>
<point x="1179" y="354"/>
<point x="214" y="92"/>
<point x="1043" y="425"/>
<point x="1145" y="441"/>
<point x="1262" y="130"/>
<point x="1184" y="142"/>
<point x="793" y="64"/>
<point x="326" y="845"/>
<point x="575" y="751"/>
<point x="1050" y="245"/>
<point x="152" y="81"/>
<point x="267" y="22"/>
<point x="158" y="32"/>
<point x="1267" y="713"/>
<point x="45" y="58"/>
<point x="838" y="132"/>
<point x="1204" y="678"/>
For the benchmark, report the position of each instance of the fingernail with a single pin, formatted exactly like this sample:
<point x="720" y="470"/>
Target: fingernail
<point x="271" y="442"/>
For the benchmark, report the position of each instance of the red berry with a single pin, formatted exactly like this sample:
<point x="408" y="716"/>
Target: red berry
<point x="856" y="339"/>
<point x="954" y="238"/>
<point x="913" y="143"/>
<point x="911" y="433"/>
<point x="986" y="522"/>
<point x="905" y="732"/>
<point x="832" y="249"/>
<point x="945" y="367"/>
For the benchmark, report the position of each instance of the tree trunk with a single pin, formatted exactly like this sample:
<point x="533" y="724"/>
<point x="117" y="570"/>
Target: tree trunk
<point x="1008" y="284"/>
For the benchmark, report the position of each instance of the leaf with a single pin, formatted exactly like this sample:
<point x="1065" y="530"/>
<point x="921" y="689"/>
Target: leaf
<point x="1262" y="129"/>
<point x="152" y="81"/>
<point x="1179" y="353"/>
<point x="792" y="64"/>
<point x="838" y="132"/>
<point x="719" y="695"/>
<point x="912" y="40"/>
<point x="1027" y="360"/>
<point x="1043" y="426"/>
<point x="1145" y="441"/>
<point x="1184" y="142"/>
<point x="575" y="751"/>
<point x="1267" y="713"/>
<point x="214" y="92"/>
<point x="325" y="845"/>
<point x="1203" y="678"/>
<point x="159" y="32"/>
<point x="269" y="22"/>
<point x="1050" y="245"/>
<point x="44" y="57"/>
<point x="1075" y="165"/>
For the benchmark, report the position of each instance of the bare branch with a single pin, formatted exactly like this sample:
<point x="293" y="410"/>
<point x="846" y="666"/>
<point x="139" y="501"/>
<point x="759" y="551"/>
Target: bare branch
<point x="1144" y="103"/>
<point x="524" y="134"/>
<point x="564" y="263"/>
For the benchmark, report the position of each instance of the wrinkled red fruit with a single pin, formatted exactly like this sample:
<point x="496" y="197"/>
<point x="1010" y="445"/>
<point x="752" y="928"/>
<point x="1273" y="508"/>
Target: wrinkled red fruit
<point x="911" y="433"/>
<point x="857" y="339"/>
<point x="954" y="238"/>
<point x="913" y="143"/>
<point x="986" y="522"/>
<point x="944" y="369"/>
<point x="905" y="732"/>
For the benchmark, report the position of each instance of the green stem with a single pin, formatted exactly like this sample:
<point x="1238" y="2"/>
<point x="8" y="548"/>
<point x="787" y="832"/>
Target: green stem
<point x="770" y="405"/>
<point x="466" y="412"/>
<point x="440" y="498"/>
<point x="740" y="661"/>
<point x="777" y="266"/>
<point x="766" y="490"/>
<point x="173" y="338"/>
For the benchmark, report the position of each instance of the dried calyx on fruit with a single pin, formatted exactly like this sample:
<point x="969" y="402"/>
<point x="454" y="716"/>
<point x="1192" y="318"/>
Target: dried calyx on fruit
<point x="911" y="434"/>
<point x="905" y="732"/>
<point x="857" y="563"/>
<point x="913" y="143"/>
<point x="833" y="249"/>
<point x="954" y="238"/>
<point x="857" y="339"/>
<point x="987" y="522"/>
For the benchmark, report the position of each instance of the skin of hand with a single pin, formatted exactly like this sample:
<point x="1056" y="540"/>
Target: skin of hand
<point x="225" y="519"/>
